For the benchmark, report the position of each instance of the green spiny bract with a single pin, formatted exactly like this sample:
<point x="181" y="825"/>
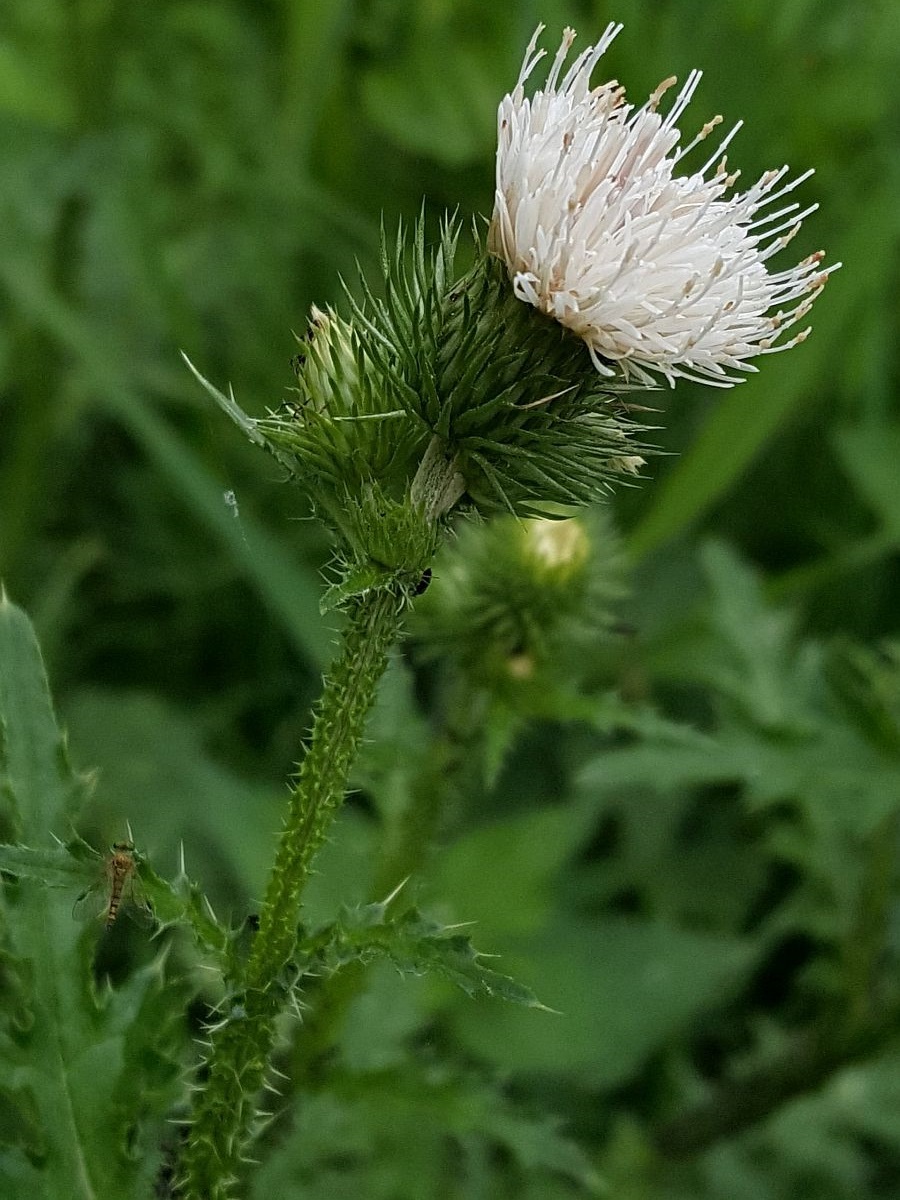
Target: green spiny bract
<point x="342" y="430"/>
<point x="511" y="394"/>
<point x="399" y="544"/>
<point x="442" y="392"/>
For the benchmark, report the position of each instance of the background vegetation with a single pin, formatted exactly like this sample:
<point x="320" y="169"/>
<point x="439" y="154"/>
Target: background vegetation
<point x="695" y="864"/>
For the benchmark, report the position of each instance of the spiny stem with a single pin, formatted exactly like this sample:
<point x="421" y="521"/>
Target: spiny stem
<point x="437" y="790"/>
<point x="348" y="695"/>
<point x="241" y="1045"/>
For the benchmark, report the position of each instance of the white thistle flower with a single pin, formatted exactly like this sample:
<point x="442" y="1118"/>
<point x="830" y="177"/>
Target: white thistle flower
<point x="660" y="273"/>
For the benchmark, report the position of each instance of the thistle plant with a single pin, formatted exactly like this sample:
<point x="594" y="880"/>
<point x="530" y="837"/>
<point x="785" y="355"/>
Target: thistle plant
<point x="508" y="387"/>
<point x="509" y="392"/>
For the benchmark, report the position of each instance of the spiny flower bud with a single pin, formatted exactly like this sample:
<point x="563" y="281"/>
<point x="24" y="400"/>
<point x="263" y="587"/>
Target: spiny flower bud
<point x="517" y="599"/>
<point x="327" y="368"/>
<point x="508" y="393"/>
<point x="338" y="427"/>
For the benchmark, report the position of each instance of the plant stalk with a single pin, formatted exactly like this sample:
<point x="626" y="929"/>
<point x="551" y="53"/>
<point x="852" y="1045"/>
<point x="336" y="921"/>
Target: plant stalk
<point x="435" y="793"/>
<point x="241" y="1044"/>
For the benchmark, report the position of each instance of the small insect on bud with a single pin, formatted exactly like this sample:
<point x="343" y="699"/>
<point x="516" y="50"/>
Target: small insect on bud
<point x="423" y="583"/>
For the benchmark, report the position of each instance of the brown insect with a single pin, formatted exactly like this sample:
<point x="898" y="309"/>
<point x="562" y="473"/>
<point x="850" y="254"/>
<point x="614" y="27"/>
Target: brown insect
<point x="119" y="888"/>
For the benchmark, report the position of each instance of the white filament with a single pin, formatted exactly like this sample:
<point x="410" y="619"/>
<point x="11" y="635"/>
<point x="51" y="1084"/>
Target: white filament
<point x="659" y="273"/>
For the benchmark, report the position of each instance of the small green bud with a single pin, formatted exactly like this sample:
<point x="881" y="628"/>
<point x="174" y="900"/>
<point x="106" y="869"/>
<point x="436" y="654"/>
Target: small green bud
<point x="340" y="430"/>
<point x="519" y="600"/>
<point x="328" y="366"/>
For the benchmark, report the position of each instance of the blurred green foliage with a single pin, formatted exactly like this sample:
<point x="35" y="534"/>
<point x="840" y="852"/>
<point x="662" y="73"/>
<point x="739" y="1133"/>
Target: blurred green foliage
<point x="693" y="859"/>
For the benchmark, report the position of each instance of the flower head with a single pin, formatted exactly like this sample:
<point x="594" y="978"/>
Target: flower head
<point x="661" y="273"/>
<point x="524" y="599"/>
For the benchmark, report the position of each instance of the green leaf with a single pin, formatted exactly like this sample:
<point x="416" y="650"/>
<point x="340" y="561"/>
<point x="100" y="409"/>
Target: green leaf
<point x="624" y="989"/>
<point x="867" y="683"/>
<point x="415" y="945"/>
<point x="757" y="638"/>
<point x="76" y="1062"/>
<point x="54" y="868"/>
<point x="533" y="848"/>
<point x="183" y="903"/>
<point x="76" y="865"/>
<point x="744" y="648"/>
<point x="37" y="779"/>
<point x="539" y="1144"/>
<point x="389" y="1134"/>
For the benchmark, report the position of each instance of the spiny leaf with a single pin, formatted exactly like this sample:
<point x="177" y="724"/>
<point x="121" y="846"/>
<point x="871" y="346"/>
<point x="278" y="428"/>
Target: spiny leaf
<point x="386" y="1134"/>
<point x="77" y="865"/>
<point x="415" y="945"/>
<point x="54" y="867"/>
<point x="36" y="774"/>
<point x="183" y="903"/>
<point x="73" y="1060"/>
<point x="232" y="409"/>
